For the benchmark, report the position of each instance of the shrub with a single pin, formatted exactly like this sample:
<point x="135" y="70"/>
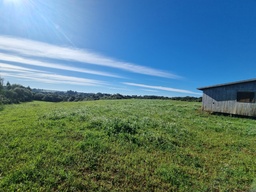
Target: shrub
<point x="118" y="126"/>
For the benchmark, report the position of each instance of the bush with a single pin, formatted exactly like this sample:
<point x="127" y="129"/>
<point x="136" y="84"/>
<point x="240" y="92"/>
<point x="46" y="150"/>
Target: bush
<point x="118" y="126"/>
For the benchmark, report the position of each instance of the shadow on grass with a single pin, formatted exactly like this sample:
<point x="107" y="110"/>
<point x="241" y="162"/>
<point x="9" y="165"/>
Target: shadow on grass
<point x="232" y="115"/>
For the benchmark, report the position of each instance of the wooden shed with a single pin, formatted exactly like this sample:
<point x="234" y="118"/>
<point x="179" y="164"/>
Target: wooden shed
<point x="237" y="98"/>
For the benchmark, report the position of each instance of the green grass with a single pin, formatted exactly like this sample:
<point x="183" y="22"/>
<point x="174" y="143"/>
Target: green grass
<point x="124" y="145"/>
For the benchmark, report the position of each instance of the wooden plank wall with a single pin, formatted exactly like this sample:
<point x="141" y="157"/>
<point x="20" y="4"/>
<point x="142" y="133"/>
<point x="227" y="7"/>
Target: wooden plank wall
<point x="224" y="99"/>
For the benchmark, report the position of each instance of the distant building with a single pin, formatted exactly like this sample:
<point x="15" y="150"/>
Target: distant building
<point x="237" y="98"/>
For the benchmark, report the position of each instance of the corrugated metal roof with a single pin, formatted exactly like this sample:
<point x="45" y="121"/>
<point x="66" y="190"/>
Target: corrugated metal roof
<point x="227" y="84"/>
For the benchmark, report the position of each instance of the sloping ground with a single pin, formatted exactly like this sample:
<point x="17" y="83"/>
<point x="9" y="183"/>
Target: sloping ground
<point x="124" y="145"/>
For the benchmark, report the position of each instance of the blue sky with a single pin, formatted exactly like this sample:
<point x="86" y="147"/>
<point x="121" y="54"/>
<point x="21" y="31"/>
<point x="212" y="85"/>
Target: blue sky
<point x="142" y="47"/>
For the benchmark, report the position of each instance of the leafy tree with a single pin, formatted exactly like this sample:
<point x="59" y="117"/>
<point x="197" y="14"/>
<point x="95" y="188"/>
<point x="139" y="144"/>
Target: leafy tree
<point x="38" y="96"/>
<point x="1" y="91"/>
<point x="47" y="97"/>
<point x="117" y="96"/>
<point x="1" y="84"/>
<point x="8" y="85"/>
<point x="12" y="96"/>
<point x="72" y="98"/>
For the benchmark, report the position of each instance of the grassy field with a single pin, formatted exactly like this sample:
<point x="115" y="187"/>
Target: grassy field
<point x="124" y="145"/>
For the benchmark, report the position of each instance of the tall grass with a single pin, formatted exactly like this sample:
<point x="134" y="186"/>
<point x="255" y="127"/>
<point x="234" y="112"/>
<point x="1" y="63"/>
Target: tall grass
<point x="124" y="145"/>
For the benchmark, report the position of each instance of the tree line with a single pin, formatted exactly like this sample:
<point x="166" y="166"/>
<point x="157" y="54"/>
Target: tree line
<point x="15" y="93"/>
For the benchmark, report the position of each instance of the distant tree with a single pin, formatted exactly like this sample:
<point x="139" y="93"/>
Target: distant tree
<point x="38" y="96"/>
<point x="47" y="97"/>
<point x="1" y="90"/>
<point x="56" y="97"/>
<point x="72" y="98"/>
<point x="8" y="85"/>
<point x="12" y="96"/>
<point x="23" y="93"/>
<point x="20" y="92"/>
<point x="28" y="96"/>
<point x="117" y="96"/>
<point x="70" y="92"/>
<point x="1" y="84"/>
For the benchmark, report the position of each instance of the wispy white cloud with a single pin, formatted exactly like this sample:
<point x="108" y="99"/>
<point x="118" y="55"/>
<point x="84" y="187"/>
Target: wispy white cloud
<point x="14" y="68"/>
<point x="25" y="61"/>
<point x="45" y="50"/>
<point x="69" y="80"/>
<point x="8" y="70"/>
<point x="161" y="88"/>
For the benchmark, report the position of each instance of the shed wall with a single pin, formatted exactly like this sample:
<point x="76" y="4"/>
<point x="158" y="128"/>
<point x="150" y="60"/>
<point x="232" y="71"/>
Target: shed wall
<point x="224" y="99"/>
